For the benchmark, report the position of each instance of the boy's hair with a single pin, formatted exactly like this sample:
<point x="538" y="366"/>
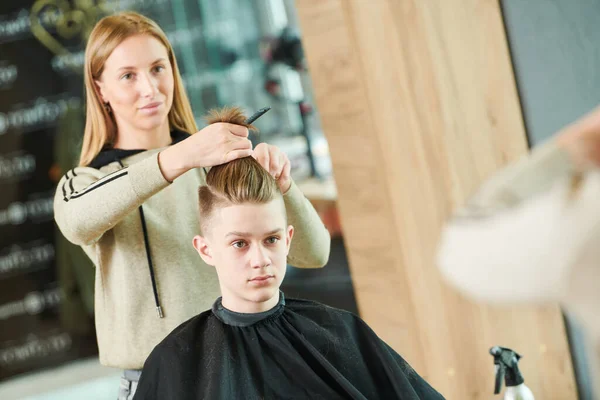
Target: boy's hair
<point x="237" y="182"/>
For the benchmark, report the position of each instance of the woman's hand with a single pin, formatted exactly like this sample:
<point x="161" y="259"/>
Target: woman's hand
<point x="276" y="162"/>
<point x="216" y="144"/>
<point x="581" y="140"/>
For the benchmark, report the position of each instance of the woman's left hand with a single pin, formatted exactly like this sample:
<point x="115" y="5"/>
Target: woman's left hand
<point x="276" y="162"/>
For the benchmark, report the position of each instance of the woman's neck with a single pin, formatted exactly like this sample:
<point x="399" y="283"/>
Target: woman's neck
<point x="131" y="138"/>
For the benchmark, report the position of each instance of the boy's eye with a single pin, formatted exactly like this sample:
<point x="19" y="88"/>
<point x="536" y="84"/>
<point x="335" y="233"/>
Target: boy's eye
<point x="272" y="240"/>
<point x="239" y="244"/>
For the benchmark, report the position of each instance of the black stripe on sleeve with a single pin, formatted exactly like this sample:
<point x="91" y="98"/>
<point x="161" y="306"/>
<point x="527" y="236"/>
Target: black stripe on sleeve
<point x="65" y="184"/>
<point x="101" y="183"/>
<point x="71" y="181"/>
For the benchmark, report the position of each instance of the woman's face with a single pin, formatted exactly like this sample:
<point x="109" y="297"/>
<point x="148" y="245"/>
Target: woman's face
<point x="137" y="82"/>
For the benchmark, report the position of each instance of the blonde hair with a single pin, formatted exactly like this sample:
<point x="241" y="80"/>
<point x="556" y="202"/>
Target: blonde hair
<point x="237" y="182"/>
<point x="109" y="32"/>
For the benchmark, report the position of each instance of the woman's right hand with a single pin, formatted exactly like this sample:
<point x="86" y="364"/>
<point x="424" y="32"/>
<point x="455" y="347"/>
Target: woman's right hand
<point x="215" y="144"/>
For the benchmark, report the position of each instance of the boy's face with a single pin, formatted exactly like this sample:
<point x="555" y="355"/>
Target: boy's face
<point x="248" y="244"/>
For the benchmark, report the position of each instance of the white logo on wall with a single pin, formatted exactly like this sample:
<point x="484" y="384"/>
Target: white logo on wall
<point x="19" y="25"/>
<point x="26" y="257"/>
<point x="37" y="210"/>
<point x="32" y="304"/>
<point x="40" y="114"/>
<point x="35" y="348"/>
<point x="16" y="166"/>
<point x="8" y="74"/>
<point x="68" y="62"/>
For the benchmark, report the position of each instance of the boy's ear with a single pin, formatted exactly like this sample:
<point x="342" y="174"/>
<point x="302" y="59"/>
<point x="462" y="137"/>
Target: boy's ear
<point x="203" y="248"/>
<point x="288" y="237"/>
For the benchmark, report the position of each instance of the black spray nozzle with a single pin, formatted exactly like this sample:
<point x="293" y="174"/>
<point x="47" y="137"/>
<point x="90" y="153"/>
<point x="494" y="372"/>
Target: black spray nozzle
<point x="507" y="367"/>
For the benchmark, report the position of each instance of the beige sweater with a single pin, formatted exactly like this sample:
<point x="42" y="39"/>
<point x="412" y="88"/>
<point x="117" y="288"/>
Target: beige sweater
<point x="531" y="234"/>
<point x="99" y="209"/>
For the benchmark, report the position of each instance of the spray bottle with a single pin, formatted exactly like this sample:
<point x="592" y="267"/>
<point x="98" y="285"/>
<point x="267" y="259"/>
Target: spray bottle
<point x="507" y="369"/>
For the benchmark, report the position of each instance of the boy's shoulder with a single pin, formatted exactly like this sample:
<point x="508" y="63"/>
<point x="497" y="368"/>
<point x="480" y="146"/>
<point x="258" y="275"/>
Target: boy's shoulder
<point x="303" y="305"/>
<point x="183" y="335"/>
<point x="322" y="313"/>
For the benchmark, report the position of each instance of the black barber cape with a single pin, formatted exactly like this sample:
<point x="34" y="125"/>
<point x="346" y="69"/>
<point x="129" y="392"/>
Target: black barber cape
<point x="297" y="350"/>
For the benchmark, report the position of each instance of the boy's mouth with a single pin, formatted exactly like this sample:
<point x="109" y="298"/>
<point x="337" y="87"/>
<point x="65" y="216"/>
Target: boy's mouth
<point x="261" y="278"/>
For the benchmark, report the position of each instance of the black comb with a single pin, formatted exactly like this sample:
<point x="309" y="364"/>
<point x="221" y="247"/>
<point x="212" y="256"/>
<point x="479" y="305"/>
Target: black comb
<point x="257" y="115"/>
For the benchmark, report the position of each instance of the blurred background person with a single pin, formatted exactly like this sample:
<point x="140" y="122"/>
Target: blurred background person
<point x="531" y="233"/>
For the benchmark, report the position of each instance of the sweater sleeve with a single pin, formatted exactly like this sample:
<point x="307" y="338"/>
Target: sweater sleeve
<point x="311" y="244"/>
<point x="498" y="247"/>
<point x="88" y="203"/>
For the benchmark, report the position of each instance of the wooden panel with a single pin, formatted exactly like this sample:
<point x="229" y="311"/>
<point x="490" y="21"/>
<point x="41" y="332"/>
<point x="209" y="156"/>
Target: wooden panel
<point x="418" y="103"/>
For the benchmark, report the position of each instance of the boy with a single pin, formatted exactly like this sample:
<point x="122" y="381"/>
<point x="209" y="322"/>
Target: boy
<point x="254" y="343"/>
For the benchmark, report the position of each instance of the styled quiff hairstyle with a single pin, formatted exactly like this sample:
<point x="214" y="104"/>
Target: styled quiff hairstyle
<point x="240" y="181"/>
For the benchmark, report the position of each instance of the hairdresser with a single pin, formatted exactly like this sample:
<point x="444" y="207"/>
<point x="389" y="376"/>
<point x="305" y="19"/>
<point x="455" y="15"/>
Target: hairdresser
<point x="130" y="202"/>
